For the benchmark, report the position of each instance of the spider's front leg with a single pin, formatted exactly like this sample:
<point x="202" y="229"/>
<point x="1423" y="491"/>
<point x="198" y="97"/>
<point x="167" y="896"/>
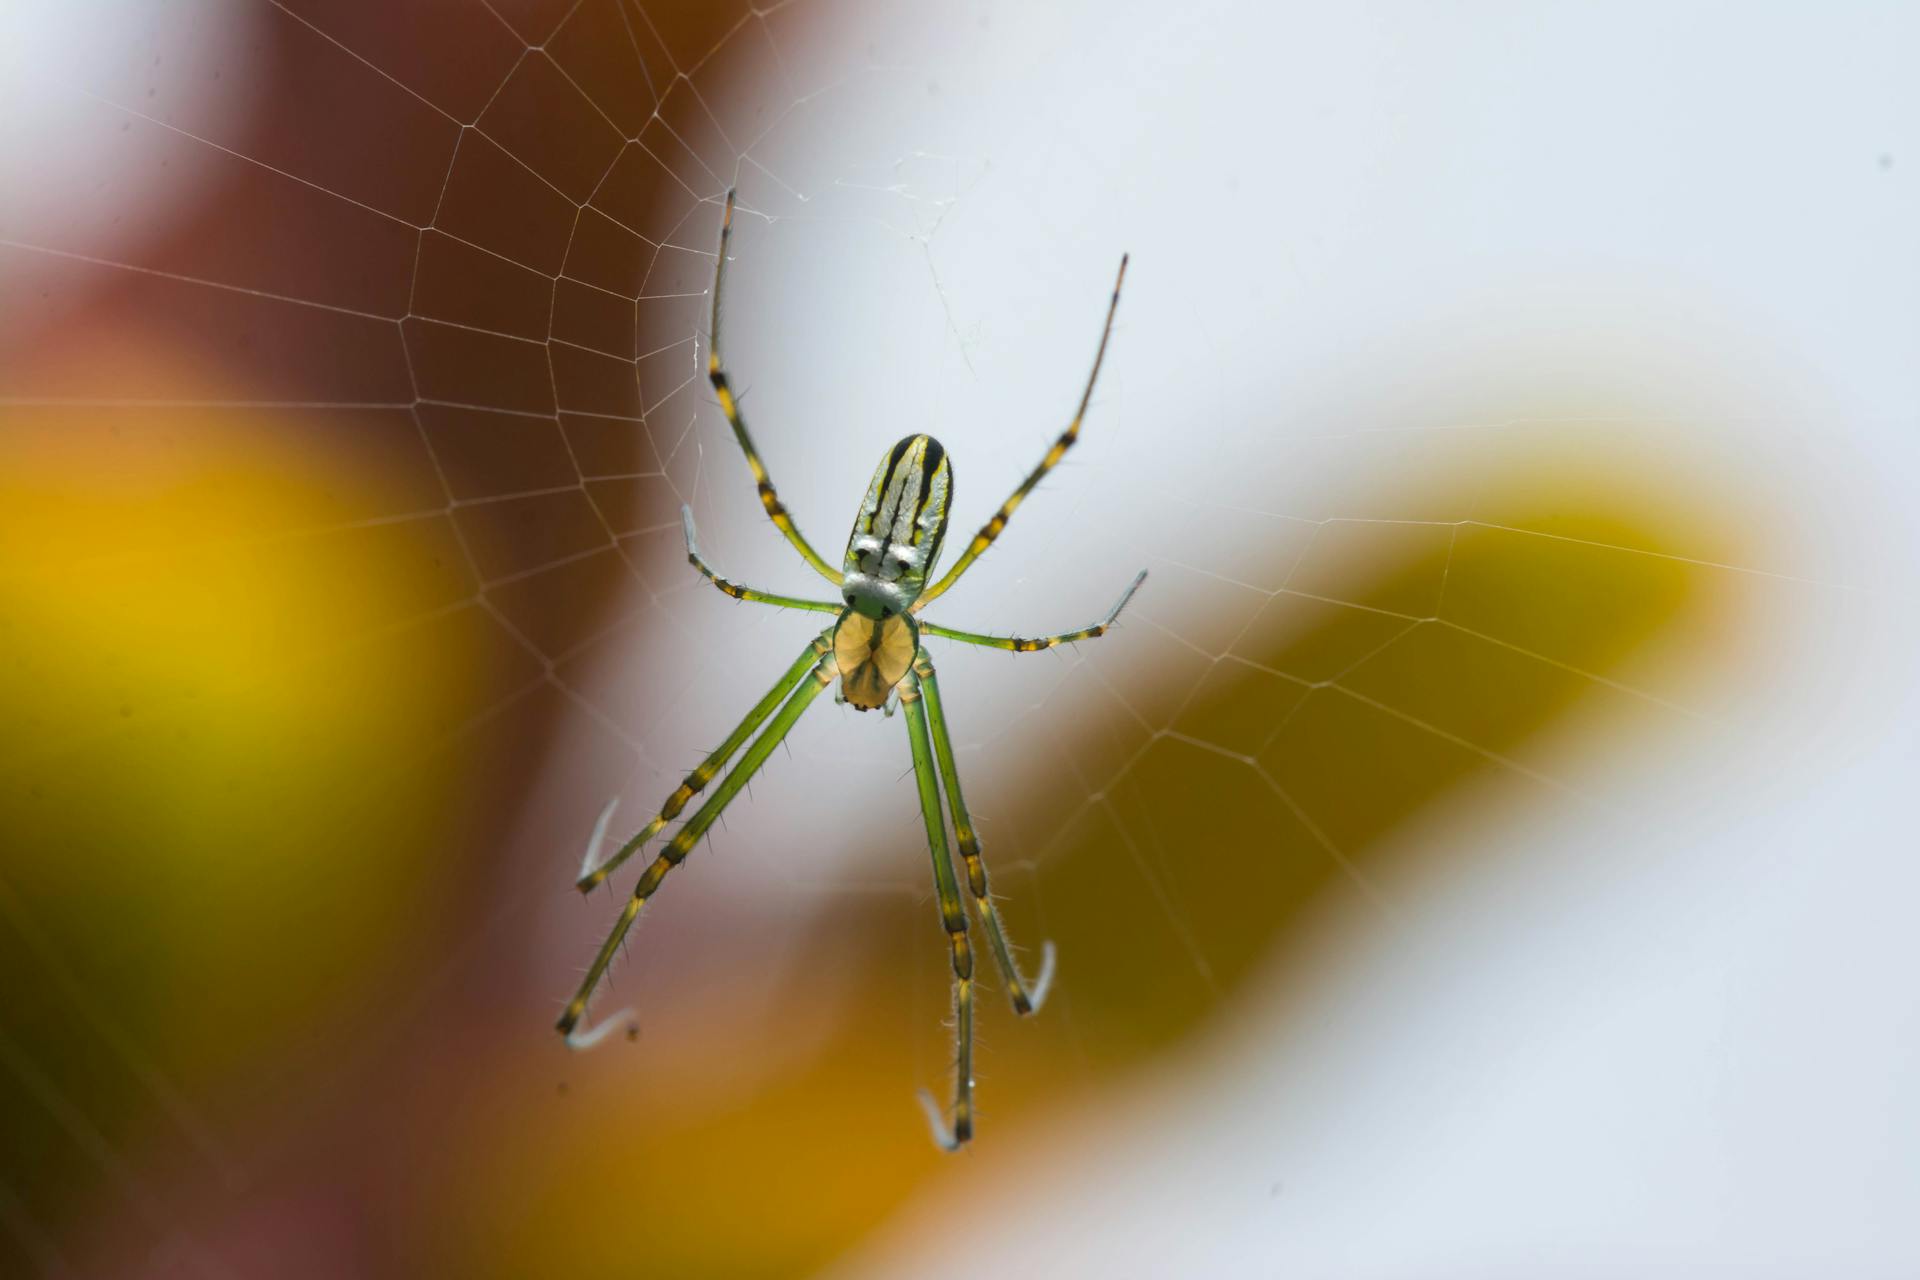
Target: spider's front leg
<point x="824" y="672"/>
<point x="1026" y="997"/>
<point x="953" y="919"/>
<point x="593" y="871"/>
<point x="933" y="768"/>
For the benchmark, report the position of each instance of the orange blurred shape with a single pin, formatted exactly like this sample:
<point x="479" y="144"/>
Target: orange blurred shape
<point x="236" y="645"/>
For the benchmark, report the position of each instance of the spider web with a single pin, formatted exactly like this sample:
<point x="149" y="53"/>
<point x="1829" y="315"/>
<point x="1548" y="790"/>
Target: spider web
<point x="432" y="283"/>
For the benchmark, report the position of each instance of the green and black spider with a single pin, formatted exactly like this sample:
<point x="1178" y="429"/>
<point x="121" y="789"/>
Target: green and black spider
<point x="873" y="648"/>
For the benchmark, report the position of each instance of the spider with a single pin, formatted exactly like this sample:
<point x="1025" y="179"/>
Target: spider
<point x="873" y="648"/>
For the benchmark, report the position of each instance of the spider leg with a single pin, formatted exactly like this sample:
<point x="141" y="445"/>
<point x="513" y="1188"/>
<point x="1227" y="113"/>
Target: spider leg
<point x="734" y="589"/>
<point x="582" y="1038"/>
<point x="1018" y="644"/>
<point x="1026" y="998"/>
<point x="953" y="919"/>
<point x="690" y="832"/>
<point x="593" y="873"/>
<point x="730" y="405"/>
<point x="991" y="530"/>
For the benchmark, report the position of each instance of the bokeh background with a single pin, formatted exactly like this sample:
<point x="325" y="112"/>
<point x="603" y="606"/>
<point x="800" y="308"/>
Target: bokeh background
<point x="1483" y="849"/>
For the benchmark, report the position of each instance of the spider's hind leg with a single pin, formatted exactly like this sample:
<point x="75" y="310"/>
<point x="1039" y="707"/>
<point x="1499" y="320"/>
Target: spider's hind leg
<point x="992" y="529"/>
<point x="730" y="406"/>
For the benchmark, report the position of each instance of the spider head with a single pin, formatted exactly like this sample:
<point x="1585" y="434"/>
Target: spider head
<point x="898" y="532"/>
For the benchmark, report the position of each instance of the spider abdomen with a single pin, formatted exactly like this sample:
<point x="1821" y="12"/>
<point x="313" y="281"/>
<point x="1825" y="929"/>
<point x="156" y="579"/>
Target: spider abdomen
<point x="901" y="523"/>
<point x="873" y="656"/>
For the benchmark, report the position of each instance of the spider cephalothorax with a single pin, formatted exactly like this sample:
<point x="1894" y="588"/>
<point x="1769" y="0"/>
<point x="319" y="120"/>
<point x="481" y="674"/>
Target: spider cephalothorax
<point x="873" y="649"/>
<point x="873" y="655"/>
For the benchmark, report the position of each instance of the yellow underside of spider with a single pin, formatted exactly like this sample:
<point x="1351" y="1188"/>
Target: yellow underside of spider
<point x="873" y="657"/>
